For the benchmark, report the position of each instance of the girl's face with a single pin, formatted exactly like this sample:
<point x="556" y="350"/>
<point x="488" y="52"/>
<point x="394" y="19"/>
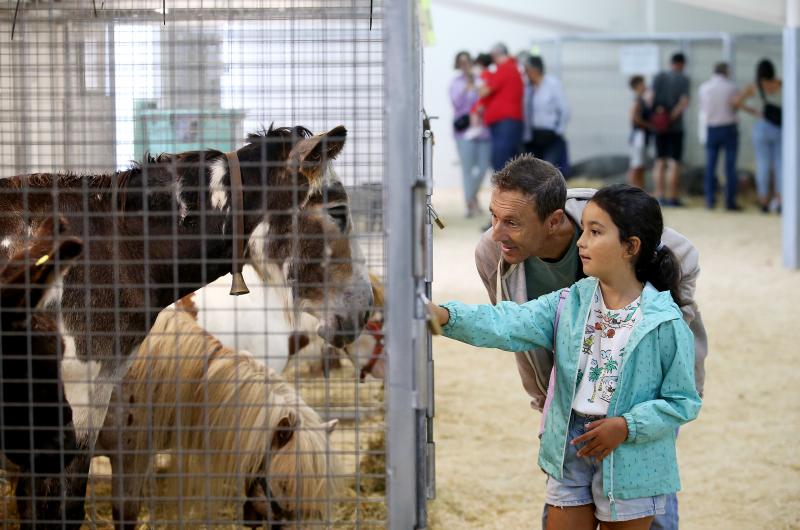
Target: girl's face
<point x="602" y="254"/>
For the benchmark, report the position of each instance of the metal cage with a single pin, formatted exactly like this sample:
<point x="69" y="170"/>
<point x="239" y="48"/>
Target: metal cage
<point x="149" y="148"/>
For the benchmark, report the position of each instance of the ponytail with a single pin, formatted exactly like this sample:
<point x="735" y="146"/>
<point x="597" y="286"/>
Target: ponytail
<point x="662" y="270"/>
<point x="637" y="214"/>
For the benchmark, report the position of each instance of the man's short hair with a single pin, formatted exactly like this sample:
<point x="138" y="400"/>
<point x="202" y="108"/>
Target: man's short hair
<point x="540" y="181"/>
<point x="535" y="61"/>
<point x="635" y="80"/>
<point x="500" y="48"/>
<point x="678" y="58"/>
<point x="721" y="68"/>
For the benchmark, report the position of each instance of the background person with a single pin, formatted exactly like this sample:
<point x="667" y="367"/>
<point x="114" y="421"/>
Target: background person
<point x="718" y="103"/>
<point x="670" y="100"/>
<point x="546" y="115"/>
<point x="501" y="99"/>
<point x="766" y="133"/>
<point x="640" y="131"/>
<point x="474" y="150"/>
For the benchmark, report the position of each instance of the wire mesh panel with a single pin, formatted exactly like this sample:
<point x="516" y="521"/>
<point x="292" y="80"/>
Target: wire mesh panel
<point x="193" y="248"/>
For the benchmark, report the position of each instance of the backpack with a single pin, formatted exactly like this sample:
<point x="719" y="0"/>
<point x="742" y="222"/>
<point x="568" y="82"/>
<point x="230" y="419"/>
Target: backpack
<point x="551" y="385"/>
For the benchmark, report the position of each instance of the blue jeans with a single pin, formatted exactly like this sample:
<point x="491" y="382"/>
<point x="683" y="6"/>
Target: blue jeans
<point x="474" y="156"/>
<point x="767" y="143"/>
<point x="722" y="137"/>
<point x="506" y="140"/>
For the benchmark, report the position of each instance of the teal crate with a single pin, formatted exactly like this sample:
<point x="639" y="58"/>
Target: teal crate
<point x="175" y="131"/>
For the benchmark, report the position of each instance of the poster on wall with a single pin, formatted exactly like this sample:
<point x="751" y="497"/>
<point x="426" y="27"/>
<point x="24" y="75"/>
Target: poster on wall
<point x="642" y="59"/>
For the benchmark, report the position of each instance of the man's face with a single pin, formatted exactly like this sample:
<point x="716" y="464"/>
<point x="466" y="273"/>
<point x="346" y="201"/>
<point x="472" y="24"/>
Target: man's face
<point x="516" y="225"/>
<point x="534" y="75"/>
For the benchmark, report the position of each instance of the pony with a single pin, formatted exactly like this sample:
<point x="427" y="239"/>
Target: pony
<point x="35" y="437"/>
<point x="163" y="229"/>
<point x="236" y="429"/>
<point x="266" y="325"/>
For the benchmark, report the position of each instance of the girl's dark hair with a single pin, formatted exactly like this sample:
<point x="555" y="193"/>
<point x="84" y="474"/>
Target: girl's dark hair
<point x="484" y="59"/>
<point x="765" y="70"/>
<point x="458" y="56"/>
<point x="637" y="214"/>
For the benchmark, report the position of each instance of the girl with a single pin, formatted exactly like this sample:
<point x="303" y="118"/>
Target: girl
<point x="624" y="367"/>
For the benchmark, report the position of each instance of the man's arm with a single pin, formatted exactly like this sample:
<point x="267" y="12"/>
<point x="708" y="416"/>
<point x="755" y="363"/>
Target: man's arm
<point x="689" y="259"/>
<point x="564" y="112"/>
<point x="487" y="258"/>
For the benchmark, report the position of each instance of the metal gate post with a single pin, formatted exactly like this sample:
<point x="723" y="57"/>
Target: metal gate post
<point x="403" y="118"/>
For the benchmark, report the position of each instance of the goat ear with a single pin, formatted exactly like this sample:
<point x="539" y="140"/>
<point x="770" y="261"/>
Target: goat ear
<point x="284" y="431"/>
<point x="317" y="150"/>
<point x="331" y="425"/>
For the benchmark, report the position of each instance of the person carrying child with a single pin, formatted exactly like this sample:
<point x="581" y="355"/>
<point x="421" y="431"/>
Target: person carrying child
<point x="623" y="376"/>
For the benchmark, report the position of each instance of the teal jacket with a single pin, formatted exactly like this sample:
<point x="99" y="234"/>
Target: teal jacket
<point x="656" y="391"/>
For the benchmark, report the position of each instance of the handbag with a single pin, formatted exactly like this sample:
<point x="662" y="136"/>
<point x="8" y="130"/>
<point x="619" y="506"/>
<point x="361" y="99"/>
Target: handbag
<point x="771" y="112"/>
<point x="461" y="123"/>
<point x="660" y="120"/>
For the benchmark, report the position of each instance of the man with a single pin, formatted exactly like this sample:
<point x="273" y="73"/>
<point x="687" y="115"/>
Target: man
<point x="718" y="104"/>
<point x="531" y="250"/>
<point x="501" y="99"/>
<point x="670" y="100"/>
<point x="546" y="115"/>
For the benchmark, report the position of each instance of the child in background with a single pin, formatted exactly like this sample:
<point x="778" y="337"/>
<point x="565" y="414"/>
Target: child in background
<point x="624" y="367"/>
<point x="640" y="131"/>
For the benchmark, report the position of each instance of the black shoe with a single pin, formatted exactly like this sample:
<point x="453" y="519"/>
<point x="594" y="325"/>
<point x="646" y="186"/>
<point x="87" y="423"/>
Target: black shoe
<point x="676" y="203"/>
<point x="734" y="208"/>
<point x="764" y="208"/>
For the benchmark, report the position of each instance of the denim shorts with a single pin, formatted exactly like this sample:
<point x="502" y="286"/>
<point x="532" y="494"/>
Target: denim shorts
<point x="582" y="483"/>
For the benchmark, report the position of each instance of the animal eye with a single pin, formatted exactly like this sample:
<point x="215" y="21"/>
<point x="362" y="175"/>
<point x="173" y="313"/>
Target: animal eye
<point x="340" y="215"/>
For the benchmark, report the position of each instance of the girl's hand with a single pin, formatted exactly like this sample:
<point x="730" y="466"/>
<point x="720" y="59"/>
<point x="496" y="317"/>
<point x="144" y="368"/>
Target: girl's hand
<point x="440" y="314"/>
<point x="602" y="437"/>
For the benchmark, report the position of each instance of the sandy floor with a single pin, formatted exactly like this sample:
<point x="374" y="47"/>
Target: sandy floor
<point x="739" y="461"/>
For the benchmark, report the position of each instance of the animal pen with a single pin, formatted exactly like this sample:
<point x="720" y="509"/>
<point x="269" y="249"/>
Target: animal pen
<point x="215" y="229"/>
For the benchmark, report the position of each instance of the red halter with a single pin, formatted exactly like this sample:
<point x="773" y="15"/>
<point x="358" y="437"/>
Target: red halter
<point x="375" y="328"/>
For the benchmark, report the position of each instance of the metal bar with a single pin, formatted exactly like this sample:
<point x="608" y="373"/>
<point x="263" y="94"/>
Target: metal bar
<point x="791" y="137"/>
<point x="428" y="448"/>
<point x="402" y="152"/>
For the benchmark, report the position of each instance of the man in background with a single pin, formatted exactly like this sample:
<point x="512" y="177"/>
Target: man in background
<point x="718" y="104"/>
<point x="670" y="101"/>
<point x="546" y="115"/>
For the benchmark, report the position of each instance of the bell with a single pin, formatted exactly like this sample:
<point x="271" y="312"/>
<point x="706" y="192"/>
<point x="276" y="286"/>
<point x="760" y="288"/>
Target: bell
<point x="237" y="285"/>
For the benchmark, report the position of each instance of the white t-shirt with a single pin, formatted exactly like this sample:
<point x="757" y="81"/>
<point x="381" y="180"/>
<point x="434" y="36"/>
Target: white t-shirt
<point x="604" y="340"/>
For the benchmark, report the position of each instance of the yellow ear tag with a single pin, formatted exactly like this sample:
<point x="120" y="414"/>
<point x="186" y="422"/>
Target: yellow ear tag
<point x="42" y="260"/>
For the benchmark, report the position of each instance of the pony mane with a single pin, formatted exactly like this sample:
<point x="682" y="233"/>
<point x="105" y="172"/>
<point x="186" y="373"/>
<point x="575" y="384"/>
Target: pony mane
<point x="229" y="407"/>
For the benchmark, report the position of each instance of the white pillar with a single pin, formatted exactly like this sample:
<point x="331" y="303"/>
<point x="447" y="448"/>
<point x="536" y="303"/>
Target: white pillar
<point x="791" y="136"/>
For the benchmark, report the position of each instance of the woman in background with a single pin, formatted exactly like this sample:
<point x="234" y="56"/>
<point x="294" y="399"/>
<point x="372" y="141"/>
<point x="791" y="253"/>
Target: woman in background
<point x="472" y="139"/>
<point x="766" y="133"/>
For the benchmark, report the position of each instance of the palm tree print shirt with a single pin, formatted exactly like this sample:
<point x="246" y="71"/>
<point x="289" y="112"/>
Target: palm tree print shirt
<point x="603" y="348"/>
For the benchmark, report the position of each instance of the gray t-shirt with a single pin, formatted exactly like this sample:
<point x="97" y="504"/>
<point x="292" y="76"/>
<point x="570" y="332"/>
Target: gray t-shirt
<point x="542" y="277"/>
<point x="668" y="87"/>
